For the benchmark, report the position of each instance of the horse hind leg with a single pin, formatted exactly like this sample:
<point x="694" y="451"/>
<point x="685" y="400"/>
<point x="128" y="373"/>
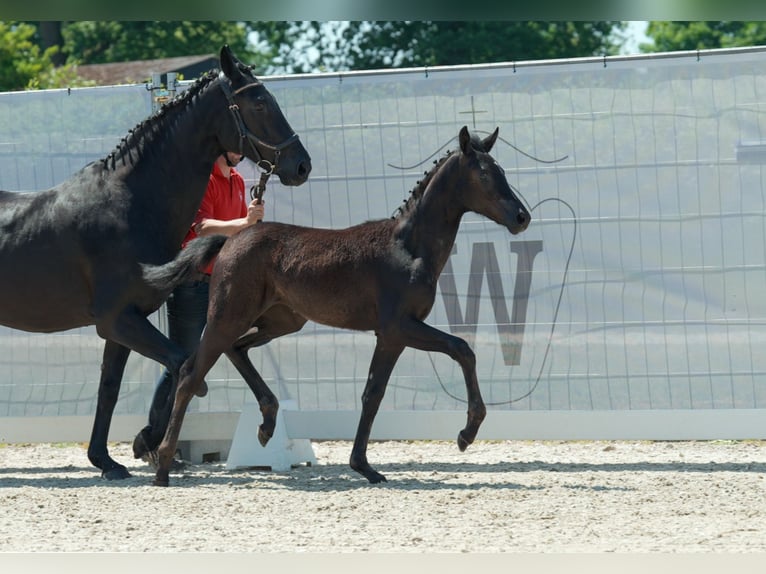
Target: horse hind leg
<point x="166" y="450"/>
<point x="267" y="401"/>
<point x="112" y="369"/>
<point x="275" y="322"/>
<point x="191" y="375"/>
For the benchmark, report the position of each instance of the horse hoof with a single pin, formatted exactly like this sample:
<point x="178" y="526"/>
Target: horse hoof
<point x="462" y="442"/>
<point x="201" y="389"/>
<point x="119" y="472"/>
<point x="376" y="478"/>
<point x="159" y="482"/>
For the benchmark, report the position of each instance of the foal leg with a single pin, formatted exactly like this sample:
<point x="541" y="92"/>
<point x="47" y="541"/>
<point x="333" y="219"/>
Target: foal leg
<point x="112" y="369"/>
<point x="267" y="401"/>
<point x="383" y="361"/>
<point x="422" y="336"/>
<point x="167" y="448"/>
<point x="191" y="377"/>
<point x="187" y="314"/>
<point x="275" y="322"/>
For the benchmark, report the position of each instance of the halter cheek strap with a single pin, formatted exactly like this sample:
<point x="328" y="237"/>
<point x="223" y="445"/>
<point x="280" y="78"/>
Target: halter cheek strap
<point x="253" y="141"/>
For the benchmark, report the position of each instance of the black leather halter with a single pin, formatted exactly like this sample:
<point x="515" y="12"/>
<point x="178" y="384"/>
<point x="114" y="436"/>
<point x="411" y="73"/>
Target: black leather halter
<point x="253" y="141"/>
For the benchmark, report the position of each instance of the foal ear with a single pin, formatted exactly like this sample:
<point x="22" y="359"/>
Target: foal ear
<point x="490" y="140"/>
<point x="465" y="140"/>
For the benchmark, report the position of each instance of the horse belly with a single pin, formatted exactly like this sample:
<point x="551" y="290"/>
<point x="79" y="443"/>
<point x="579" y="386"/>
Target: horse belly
<point x="44" y="305"/>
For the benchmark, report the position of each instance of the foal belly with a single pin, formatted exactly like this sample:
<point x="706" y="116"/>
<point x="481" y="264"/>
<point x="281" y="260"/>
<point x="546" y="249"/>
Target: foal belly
<point x="344" y="308"/>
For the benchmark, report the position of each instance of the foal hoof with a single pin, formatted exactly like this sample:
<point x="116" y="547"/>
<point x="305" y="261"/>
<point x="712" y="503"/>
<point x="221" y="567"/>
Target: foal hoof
<point x="263" y="437"/>
<point x="201" y="390"/>
<point x="161" y="479"/>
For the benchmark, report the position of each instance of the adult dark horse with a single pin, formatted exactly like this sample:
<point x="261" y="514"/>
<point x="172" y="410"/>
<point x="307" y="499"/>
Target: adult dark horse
<point x="74" y="255"/>
<point x="379" y="276"/>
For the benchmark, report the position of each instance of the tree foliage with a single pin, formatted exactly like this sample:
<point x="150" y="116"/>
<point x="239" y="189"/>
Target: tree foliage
<point x="44" y="54"/>
<point x="101" y="42"/>
<point x="673" y="36"/>
<point x="334" y="46"/>
<point x="23" y="63"/>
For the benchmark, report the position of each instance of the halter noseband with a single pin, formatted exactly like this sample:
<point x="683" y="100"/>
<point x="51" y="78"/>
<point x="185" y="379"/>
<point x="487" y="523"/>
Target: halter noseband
<point x="254" y="141"/>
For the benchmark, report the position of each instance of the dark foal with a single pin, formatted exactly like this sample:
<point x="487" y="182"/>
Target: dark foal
<point x="378" y="276"/>
<point x="74" y="254"/>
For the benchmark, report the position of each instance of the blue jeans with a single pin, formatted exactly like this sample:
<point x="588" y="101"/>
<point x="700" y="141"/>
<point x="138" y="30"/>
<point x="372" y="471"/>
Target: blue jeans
<point x="187" y="316"/>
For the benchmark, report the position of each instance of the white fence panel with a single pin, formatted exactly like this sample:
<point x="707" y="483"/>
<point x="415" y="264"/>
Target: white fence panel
<point x="631" y="307"/>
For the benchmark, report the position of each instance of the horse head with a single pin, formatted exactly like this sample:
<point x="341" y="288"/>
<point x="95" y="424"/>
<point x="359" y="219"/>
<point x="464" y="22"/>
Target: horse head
<point x="488" y="192"/>
<point x="262" y="132"/>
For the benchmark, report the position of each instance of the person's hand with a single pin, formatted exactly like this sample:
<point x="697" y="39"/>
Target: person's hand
<point x="255" y="212"/>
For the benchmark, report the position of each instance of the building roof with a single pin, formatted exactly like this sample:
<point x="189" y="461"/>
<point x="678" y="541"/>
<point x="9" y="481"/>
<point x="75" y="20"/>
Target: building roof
<point x="140" y="71"/>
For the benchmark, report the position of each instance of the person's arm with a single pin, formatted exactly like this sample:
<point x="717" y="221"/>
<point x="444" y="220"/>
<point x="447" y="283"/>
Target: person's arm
<point x="210" y="226"/>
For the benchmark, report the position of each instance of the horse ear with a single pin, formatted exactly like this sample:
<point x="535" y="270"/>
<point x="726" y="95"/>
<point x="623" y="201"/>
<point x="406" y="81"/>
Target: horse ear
<point x="490" y="140"/>
<point x="465" y="140"/>
<point x="230" y="65"/>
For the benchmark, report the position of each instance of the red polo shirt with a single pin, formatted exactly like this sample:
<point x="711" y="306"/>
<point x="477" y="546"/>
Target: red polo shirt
<point x="224" y="199"/>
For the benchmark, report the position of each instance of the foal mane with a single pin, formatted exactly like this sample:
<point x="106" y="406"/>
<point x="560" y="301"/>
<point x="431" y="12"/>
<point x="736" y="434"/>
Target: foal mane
<point x="150" y="128"/>
<point x="420" y="187"/>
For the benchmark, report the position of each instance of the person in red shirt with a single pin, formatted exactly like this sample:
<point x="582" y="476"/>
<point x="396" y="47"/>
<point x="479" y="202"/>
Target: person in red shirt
<point x="224" y="210"/>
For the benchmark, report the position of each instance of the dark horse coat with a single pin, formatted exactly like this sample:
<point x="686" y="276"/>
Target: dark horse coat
<point x="378" y="276"/>
<point x="77" y="254"/>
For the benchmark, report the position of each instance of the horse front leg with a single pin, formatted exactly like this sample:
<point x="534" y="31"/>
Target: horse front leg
<point x="383" y="361"/>
<point x="112" y="368"/>
<point x="422" y="336"/>
<point x="133" y="330"/>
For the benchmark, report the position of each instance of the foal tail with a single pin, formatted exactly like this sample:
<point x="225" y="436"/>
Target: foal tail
<point x="188" y="265"/>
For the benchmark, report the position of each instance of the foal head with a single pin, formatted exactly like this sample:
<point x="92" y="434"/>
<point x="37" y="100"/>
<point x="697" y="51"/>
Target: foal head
<point x="256" y="126"/>
<point x="487" y="191"/>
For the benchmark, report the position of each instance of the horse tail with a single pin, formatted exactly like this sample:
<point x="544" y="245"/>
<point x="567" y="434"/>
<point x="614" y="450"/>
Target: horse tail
<point x="188" y="265"/>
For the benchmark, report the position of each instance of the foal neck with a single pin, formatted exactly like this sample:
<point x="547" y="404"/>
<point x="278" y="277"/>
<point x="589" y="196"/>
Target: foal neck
<point x="429" y="221"/>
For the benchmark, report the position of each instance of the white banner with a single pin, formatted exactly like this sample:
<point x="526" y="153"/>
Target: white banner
<point x="638" y="285"/>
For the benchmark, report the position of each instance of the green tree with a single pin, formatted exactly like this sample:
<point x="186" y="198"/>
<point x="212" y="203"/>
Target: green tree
<point x="333" y="46"/>
<point x="673" y="36"/>
<point x="22" y="62"/>
<point x="99" y="42"/>
<point x="43" y="54"/>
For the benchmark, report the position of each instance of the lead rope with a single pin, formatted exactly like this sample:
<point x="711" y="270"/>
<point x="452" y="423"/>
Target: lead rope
<point x="257" y="191"/>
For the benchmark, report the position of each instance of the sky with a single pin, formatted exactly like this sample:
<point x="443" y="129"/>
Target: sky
<point x="636" y="33"/>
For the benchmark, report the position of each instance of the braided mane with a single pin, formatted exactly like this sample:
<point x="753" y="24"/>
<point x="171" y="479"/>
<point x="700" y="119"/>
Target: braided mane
<point x="420" y="187"/>
<point x="151" y="127"/>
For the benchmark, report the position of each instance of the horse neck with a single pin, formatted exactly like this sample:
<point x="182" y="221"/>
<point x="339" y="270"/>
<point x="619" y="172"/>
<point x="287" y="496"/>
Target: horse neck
<point x="429" y="226"/>
<point x="169" y="166"/>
